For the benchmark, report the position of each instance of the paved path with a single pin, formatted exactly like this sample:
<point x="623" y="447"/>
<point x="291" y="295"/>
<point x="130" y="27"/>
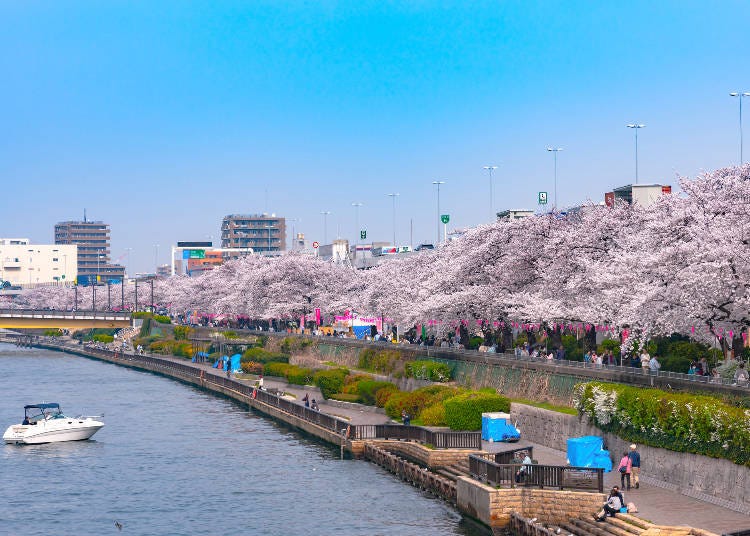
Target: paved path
<point x="655" y="502"/>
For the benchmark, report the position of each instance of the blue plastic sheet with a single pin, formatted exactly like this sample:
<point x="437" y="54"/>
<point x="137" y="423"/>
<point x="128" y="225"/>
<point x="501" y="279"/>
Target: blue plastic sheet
<point x="497" y="427"/>
<point x="587" y="451"/>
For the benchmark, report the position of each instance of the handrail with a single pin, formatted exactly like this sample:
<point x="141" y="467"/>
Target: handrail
<point x="538" y="476"/>
<point x="64" y="313"/>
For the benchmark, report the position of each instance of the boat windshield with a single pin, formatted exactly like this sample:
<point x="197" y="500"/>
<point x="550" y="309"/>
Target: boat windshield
<point x="39" y="412"/>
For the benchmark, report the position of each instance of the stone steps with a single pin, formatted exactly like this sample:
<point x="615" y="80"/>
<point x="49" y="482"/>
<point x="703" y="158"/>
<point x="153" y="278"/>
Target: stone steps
<point x="629" y="524"/>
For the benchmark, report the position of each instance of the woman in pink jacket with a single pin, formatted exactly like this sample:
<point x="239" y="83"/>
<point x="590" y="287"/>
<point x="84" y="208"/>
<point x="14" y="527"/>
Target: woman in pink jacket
<point x="625" y="468"/>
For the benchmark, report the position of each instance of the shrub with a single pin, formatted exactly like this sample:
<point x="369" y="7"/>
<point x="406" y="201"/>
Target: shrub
<point x="428" y="370"/>
<point x="230" y="334"/>
<point x="474" y="342"/>
<point x="276" y="369"/>
<point x="345" y="397"/>
<point x="412" y="403"/>
<point x="464" y="411"/>
<point x="369" y="389"/>
<point x="182" y="349"/>
<point x="106" y="339"/>
<point x="330" y="381"/>
<point x="299" y="375"/>
<point x="53" y="333"/>
<point x="383" y="395"/>
<point x="680" y="422"/>
<point x="162" y="319"/>
<point x="141" y="314"/>
<point x="291" y="345"/>
<point x="251" y="367"/>
<point x="383" y="361"/>
<point x="182" y="333"/>
<point x="162" y="347"/>
<point x="263" y="356"/>
<point x="573" y="350"/>
<point x="433" y="415"/>
<point x="610" y="344"/>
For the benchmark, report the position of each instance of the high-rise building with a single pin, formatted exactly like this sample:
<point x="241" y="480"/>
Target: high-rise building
<point x="259" y="233"/>
<point x="92" y="239"/>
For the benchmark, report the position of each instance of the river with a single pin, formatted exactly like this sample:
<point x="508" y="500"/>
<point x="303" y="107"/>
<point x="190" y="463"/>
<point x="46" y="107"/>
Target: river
<point x="173" y="459"/>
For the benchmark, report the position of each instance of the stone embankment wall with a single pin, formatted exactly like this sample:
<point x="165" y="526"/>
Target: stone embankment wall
<point x="432" y="458"/>
<point x="494" y="507"/>
<point x="712" y="480"/>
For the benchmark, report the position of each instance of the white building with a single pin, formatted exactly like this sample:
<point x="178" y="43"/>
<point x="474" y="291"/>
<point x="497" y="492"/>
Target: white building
<point x="514" y="214"/>
<point x="30" y="265"/>
<point x="641" y="194"/>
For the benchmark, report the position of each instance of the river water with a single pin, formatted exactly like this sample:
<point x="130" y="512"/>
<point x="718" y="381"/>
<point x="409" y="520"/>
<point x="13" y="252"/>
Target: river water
<point x="173" y="459"/>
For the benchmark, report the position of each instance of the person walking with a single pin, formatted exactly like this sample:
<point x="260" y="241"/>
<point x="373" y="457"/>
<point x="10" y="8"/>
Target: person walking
<point x="635" y="465"/>
<point x="654" y="366"/>
<point x="645" y="358"/>
<point x="625" y="468"/>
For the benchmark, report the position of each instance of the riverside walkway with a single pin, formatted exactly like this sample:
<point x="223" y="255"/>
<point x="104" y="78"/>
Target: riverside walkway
<point x="655" y="502"/>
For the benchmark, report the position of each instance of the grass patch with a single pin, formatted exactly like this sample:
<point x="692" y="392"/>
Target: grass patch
<point x="546" y="405"/>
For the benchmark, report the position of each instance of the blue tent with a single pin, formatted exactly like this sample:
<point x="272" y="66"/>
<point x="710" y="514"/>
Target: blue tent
<point x="233" y="363"/>
<point x="497" y="427"/>
<point x="198" y="355"/>
<point x="587" y="451"/>
<point x="361" y="331"/>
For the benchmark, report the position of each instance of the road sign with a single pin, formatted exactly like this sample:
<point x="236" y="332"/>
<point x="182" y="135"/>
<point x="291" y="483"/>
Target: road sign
<point x="445" y="218"/>
<point x="363" y="235"/>
<point x="542" y="198"/>
<point x="316" y="245"/>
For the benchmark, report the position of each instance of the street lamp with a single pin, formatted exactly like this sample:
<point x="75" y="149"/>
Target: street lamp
<point x="636" y="127"/>
<point x="325" y="214"/>
<point x="393" y="196"/>
<point x="356" y="221"/>
<point x="156" y="257"/>
<point x="490" y="169"/>
<point x="740" y="95"/>
<point x="438" y="183"/>
<point x="555" y="150"/>
<point x="128" y="250"/>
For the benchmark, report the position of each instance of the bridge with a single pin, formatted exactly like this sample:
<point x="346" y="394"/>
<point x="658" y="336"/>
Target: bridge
<point x="73" y="320"/>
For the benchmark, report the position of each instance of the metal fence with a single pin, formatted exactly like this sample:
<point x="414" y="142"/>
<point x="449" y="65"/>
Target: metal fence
<point x="437" y="438"/>
<point x="537" y="476"/>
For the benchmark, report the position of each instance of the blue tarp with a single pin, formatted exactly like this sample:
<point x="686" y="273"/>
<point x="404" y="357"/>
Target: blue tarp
<point x="233" y="363"/>
<point x="361" y="331"/>
<point x="497" y="427"/>
<point x="587" y="452"/>
<point x="197" y="355"/>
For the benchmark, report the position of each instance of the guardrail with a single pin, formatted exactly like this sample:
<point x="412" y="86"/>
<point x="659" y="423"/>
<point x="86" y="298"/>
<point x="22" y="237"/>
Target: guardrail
<point x="438" y="439"/>
<point x="538" y="476"/>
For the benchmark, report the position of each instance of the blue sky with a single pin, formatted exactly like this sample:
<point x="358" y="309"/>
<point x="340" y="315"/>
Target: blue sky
<point x="161" y="117"/>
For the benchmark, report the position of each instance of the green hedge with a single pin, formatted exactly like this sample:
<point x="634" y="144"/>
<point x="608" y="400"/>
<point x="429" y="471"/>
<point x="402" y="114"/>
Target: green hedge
<point x="182" y="333"/>
<point x="428" y="370"/>
<point x="106" y="339"/>
<point x="676" y="421"/>
<point x="162" y="319"/>
<point x="259" y="355"/>
<point x="345" y="397"/>
<point x="464" y="412"/>
<point x="415" y="402"/>
<point x="293" y="374"/>
<point x="331" y="381"/>
<point x="368" y="390"/>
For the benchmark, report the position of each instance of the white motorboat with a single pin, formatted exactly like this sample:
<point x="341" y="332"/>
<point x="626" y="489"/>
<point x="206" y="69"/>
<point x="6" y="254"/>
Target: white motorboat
<point x="45" y="423"/>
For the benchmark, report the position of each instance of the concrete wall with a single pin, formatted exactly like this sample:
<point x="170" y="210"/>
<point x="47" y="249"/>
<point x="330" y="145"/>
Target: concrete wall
<point x="493" y="507"/>
<point x="715" y="481"/>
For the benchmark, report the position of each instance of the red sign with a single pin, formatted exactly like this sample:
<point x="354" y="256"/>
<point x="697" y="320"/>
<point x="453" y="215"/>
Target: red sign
<point x="665" y="190"/>
<point x="609" y="199"/>
<point x="316" y="245"/>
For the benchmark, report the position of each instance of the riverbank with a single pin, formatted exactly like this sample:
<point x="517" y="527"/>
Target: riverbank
<point x="659" y="505"/>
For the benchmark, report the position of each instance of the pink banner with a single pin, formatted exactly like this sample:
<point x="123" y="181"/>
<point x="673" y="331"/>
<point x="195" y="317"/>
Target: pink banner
<point x="317" y="316"/>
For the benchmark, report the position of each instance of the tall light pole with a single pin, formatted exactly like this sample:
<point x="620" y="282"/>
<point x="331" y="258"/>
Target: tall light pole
<point x="740" y="95"/>
<point x="356" y="221"/>
<point x="129" y="250"/>
<point x="555" y="150"/>
<point x="325" y="214"/>
<point x="156" y="258"/>
<point x="636" y="127"/>
<point x="438" y="183"/>
<point x="490" y="169"/>
<point x="393" y="196"/>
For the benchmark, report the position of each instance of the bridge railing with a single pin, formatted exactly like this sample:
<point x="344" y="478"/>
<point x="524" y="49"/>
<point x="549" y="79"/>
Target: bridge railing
<point x="62" y="313"/>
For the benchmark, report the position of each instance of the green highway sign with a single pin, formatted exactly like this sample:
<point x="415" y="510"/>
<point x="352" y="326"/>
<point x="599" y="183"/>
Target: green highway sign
<point x="445" y="218"/>
<point x="362" y="235"/>
<point x="542" y="198"/>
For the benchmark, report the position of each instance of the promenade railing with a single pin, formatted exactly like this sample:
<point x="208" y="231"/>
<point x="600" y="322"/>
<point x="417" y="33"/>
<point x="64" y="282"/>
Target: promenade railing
<point x="436" y="438"/>
<point x="538" y="476"/>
